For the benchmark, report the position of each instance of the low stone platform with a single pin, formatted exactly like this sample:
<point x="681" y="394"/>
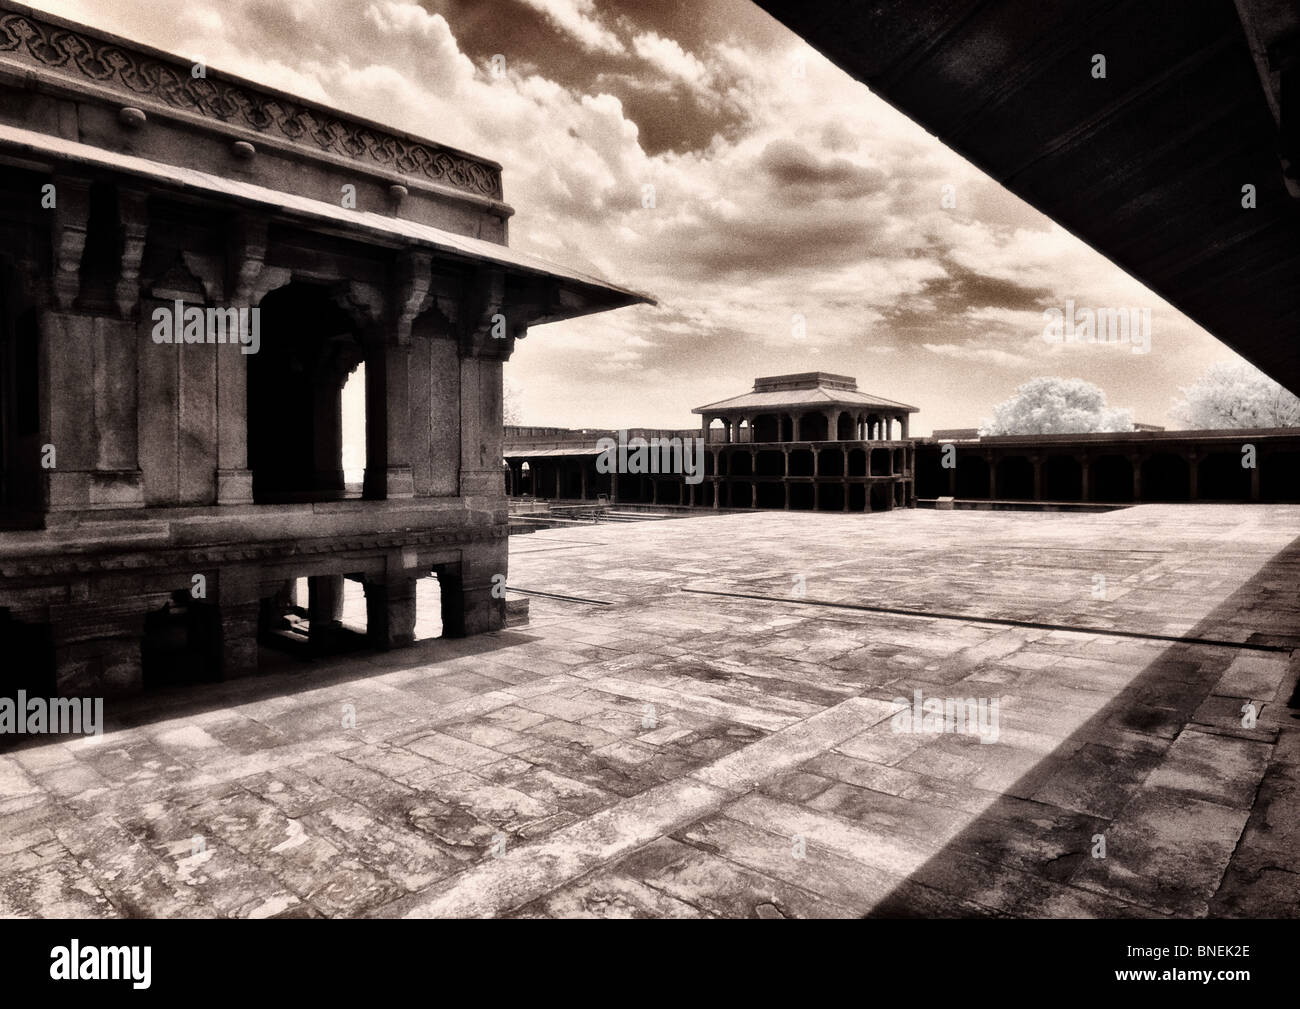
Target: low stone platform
<point x="699" y="720"/>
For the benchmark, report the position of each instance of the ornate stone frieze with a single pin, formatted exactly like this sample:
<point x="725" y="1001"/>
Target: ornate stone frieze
<point x="108" y="64"/>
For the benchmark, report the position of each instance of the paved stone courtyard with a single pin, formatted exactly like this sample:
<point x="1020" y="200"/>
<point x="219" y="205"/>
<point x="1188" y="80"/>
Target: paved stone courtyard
<point x="691" y="733"/>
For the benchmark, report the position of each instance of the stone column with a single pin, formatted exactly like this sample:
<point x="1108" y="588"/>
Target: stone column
<point x="903" y="420"/>
<point x="390" y="612"/>
<point x="1193" y="475"/>
<point x="1254" y="477"/>
<point x="327" y="452"/>
<point x="87" y="359"/>
<point x="324" y="609"/>
<point x="991" y="462"/>
<point x="246" y="250"/>
<point x="1085" y="464"/>
<point x="480" y="420"/>
<point x="469" y="604"/>
<point x="1037" y="462"/>
<point x="388" y="418"/>
<point x="238" y="630"/>
<point x="1135" y="460"/>
<point x="236" y="605"/>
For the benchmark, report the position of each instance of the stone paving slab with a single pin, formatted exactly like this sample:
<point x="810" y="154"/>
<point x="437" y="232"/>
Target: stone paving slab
<point x="690" y="751"/>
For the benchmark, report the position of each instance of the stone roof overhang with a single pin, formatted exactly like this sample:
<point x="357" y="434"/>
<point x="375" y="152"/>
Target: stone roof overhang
<point x="522" y="452"/>
<point x="1229" y="436"/>
<point x="578" y="293"/>
<point x="1146" y="165"/>
<point x="802" y="399"/>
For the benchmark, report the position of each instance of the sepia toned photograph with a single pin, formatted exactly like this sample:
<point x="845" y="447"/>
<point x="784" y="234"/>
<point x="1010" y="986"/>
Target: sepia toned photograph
<point x="553" y="459"/>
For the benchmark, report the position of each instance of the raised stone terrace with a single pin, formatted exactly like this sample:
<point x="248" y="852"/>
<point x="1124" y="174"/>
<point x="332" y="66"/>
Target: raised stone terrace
<point x="698" y="722"/>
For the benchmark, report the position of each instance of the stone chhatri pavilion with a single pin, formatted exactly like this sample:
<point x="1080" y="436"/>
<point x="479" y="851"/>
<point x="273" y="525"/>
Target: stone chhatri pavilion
<point x="810" y="440"/>
<point x="161" y="500"/>
<point x="811" y="406"/>
<point x="803" y="442"/>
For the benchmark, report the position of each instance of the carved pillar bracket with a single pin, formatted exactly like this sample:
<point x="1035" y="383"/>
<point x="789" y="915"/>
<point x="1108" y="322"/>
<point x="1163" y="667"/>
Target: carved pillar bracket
<point x="68" y="240"/>
<point x="478" y="314"/>
<point x="411" y="291"/>
<point x="488" y="318"/>
<point x="246" y="251"/>
<point x="364" y="304"/>
<point x="133" y="213"/>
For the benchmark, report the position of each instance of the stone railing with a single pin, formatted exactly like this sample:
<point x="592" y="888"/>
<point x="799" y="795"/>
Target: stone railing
<point x="106" y="62"/>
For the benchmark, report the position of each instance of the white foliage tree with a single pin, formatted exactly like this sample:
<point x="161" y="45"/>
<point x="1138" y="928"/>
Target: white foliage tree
<point x="1057" y="406"/>
<point x="510" y="395"/>
<point x="1235" y="394"/>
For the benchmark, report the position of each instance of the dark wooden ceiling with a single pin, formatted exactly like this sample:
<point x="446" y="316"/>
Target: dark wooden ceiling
<point x="1146" y="166"/>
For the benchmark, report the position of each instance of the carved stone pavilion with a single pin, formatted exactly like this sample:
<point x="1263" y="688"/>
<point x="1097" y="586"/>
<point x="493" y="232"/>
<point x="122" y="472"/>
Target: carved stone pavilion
<point x="160" y="500"/>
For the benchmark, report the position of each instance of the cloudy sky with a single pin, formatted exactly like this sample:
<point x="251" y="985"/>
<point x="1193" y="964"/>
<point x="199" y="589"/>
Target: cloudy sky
<point x="782" y="188"/>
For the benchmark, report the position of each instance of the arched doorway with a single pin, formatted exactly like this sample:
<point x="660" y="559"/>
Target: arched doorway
<point x="1063" y="479"/>
<point x="972" y="477"/>
<point x="295" y="395"/>
<point x="1221" y="477"/>
<point x="1111" y="480"/>
<point x="20" y="486"/>
<point x="812" y="427"/>
<point x="1015" y="478"/>
<point x="1166" y="477"/>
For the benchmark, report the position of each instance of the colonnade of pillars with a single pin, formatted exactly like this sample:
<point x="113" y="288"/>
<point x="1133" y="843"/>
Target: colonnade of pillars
<point x="569" y="477"/>
<point x="889" y="469"/>
<point x="899" y="460"/>
<point x="1008" y="476"/>
<point x="811" y="425"/>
